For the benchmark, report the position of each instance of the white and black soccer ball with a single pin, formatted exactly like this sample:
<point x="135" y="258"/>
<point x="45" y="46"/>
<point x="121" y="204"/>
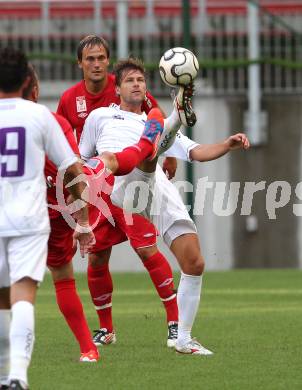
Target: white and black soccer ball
<point x="178" y="66"/>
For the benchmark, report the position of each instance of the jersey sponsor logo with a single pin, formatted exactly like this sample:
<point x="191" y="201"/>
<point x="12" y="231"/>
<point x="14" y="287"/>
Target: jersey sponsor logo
<point x="83" y="115"/>
<point x="81" y="104"/>
<point x="118" y="117"/>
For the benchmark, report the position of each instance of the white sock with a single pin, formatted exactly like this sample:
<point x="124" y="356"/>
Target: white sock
<point x="188" y="297"/>
<point x="4" y="346"/>
<point x="21" y="340"/>
<point x="171" y="126"/>
<point x="172" y="122"/>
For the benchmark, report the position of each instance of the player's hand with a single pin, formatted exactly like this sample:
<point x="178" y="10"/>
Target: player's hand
<point x="84" y="235"/>
<point x="238" y="141"/>
<point x="169" y="167"/>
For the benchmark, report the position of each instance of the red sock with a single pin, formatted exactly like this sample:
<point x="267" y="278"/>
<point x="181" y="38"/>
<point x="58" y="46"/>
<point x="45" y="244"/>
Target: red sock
<point x="162" y="278"/>
<point x="101" y="287"/>
<point x="71" y="307"/>
<point x="130" y="157"/>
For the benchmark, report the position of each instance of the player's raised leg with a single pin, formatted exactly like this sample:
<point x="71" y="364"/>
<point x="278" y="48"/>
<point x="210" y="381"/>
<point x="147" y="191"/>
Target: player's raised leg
<point x="182" y="114"/>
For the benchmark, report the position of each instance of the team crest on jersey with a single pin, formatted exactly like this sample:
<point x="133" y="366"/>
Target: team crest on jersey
<point x="81" y="104"/>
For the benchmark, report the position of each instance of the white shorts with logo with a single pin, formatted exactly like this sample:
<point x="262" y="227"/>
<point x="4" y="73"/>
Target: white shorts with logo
<point x="22" y="256"/>
<point x="157" y="199"/>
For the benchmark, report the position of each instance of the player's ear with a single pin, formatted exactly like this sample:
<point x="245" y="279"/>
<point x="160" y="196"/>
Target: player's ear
<point x="25" y="84"/>
<point x="117" y="90"/>
<point x="80" y="64"/>
<point x="35" y="93"/>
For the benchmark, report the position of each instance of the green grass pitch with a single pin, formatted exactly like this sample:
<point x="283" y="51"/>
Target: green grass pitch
<point x="252" y="320"/>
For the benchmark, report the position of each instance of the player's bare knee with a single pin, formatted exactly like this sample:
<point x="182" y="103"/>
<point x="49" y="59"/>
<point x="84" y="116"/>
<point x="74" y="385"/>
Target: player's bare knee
<point x="110" y="161"/>
<point x="65" y="271"/>
<point x="99" y="258"/>
<point x="194" y="266"/>
<point x="145" y="253"/>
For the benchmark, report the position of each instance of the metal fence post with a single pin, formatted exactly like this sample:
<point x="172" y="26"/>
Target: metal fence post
<point x="122" y="29"/>
<point x="186" y="7"/>
<point x="97" y="17"/>
<point x="149" y="29"/>
<point x="255" y="120"/>
<point x="45" y="35"/>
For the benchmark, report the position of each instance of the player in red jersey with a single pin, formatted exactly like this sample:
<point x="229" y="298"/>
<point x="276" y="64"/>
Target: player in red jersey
<point x="60" y="244"/>
<point x="98" y="89"/>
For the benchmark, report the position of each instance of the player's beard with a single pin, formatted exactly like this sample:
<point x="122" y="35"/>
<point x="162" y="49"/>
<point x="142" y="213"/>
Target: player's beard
<point x="135" y="100"/>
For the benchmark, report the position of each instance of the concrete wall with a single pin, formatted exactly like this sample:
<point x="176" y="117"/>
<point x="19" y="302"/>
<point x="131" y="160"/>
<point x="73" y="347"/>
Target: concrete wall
<point x="276" y="242"/>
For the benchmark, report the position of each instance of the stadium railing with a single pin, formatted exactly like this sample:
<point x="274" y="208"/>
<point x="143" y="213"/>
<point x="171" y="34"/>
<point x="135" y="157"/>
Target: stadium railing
<point x="219" y="38"/>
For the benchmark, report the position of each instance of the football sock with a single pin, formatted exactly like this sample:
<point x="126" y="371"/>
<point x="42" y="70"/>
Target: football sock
<point x="101" y="287"/>
<point x="21" y="340"/>
<point x="161" y="275"/>
<point x="4" y="346"/>
<point x="130" y="157"/>
<point x="188" y="297"/>
<point x="172" y="122"/>
<point x="72" y="309"/>
<point x="171" y="126"/>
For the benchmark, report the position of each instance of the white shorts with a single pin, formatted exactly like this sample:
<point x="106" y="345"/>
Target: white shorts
<point x="22" y="256"/>
<point x="134" y="192"/>
<point x="178" y="229"/>
<point x="160" y="202"/>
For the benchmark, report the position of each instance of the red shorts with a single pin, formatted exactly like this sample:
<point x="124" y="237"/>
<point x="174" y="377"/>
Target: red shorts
<point x="142" y="233"/>
<point x="60" y="250"/>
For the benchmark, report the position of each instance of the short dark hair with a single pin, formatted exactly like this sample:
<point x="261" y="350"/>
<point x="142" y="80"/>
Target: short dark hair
<point x="130" y="63"/>
<point x="13" y="69"/>
<point x="92" y="40"/>
<point x="33" y="80"/>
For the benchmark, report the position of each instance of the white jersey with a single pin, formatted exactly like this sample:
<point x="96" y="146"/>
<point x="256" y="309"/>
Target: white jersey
<point x="181" y="147"/>
<point x="112" y="129"/>
<point x="28" y="131"/>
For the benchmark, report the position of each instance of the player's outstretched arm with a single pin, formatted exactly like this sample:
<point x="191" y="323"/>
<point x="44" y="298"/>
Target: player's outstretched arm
<point x="213" y="151"/>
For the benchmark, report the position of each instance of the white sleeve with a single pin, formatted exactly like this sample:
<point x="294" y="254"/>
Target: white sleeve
<point x="57" y="147"/>
<point x="87" y="144"/>
<point x="181" y="147"/>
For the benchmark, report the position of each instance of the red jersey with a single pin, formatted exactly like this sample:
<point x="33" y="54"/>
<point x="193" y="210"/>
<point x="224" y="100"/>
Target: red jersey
<point x="76" y="103"/>
<point x="50" y="169"/>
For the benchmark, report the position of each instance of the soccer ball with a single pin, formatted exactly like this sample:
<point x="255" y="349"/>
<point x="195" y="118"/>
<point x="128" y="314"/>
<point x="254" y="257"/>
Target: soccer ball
<point x="178" y="66"/>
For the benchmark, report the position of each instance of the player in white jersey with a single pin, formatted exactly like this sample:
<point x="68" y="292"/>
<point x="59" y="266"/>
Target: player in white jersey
<point x="118" y="126"/>
<point x="27" y="132"/>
